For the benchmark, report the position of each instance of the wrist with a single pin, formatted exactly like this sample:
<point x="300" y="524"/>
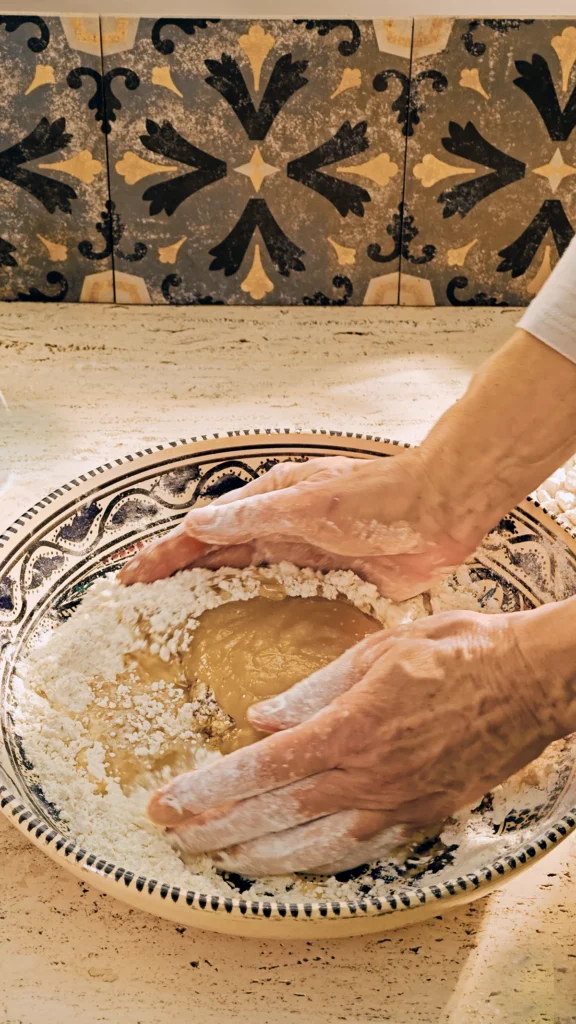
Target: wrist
<point x="546" y="641"/>
<point x="458" y="503"/>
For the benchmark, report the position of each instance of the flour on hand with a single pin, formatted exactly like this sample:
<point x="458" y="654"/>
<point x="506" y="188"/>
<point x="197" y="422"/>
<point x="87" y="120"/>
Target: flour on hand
<point x="84" y="706"/>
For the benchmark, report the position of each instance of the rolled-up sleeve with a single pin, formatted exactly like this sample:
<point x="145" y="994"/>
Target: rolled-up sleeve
<point x="551" y="316"/>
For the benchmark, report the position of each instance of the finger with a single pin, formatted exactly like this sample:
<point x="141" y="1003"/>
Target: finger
<point x="400" y="578"/>
<point x="162" y="557"/>
<point x="270" y="550"/>
<point x="310" y="696"/>
<point x="234" y="556"/>
<point x="179" y="549"/>
<point x="272" y="812"/>
<point x="284" y="474"/>
<point x="303" y="848"/>
<point x="272" y="762"/>
<point x="405" y="576"/>
<point x="403" y="821"/>
<point x="381" y="846"/>
<point x="297" y="513"/>
<point x="238" y="522"/>
<point x="239" y="516"/>
<point x="313" y="513"/>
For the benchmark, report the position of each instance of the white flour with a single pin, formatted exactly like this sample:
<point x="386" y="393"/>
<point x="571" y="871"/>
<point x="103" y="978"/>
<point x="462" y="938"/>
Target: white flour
<point x="54" y="684"/>
<point x="558" y="493"/>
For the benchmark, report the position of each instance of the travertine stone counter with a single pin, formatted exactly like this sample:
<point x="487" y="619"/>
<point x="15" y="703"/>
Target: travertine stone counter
<point x="89" y="383"/>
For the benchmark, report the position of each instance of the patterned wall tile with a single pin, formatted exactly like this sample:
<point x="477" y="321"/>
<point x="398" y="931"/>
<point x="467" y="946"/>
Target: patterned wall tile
<point x="255" y="161"/>
<point x="53" y="175"/>
<point x="490" y="199"/>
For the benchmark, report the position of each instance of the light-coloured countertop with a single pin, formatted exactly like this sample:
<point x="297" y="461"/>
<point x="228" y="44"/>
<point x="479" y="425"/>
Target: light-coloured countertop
<point x="86" y="384"/>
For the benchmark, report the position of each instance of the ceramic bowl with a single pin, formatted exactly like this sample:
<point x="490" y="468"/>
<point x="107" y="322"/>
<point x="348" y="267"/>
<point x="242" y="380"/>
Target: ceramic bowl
<point x="56" y="549"/>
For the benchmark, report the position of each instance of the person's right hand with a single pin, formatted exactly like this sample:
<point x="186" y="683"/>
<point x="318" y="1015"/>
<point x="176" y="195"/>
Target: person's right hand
<point x="382" y="518"/>
<point x="406" y="728"/>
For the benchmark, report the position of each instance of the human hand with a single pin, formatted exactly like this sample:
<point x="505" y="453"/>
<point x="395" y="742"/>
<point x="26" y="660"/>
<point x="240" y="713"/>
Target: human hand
<point x="396" y="521"/>
<point x="404" y="729"/>
<point x="378" y="517"/>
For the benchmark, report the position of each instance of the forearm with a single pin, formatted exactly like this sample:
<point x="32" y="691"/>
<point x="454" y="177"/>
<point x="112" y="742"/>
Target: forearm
<point x="514" y="426"/>
<point x="517" y="422"/>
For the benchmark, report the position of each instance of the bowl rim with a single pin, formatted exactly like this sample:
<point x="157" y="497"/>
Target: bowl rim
<point x="66" y="849"/>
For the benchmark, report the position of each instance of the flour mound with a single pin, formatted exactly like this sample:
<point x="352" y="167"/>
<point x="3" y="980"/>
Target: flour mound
<point x="54" y="685"/>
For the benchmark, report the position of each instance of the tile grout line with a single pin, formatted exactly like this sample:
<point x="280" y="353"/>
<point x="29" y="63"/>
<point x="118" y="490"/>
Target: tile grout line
<point x="108" y="177"/>
<point x="403" y="195"/>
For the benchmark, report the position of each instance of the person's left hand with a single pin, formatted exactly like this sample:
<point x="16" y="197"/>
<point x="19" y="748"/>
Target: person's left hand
<point x="403" y="730"/>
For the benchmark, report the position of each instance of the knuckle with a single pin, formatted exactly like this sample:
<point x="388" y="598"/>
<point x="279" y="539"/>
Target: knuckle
<point x="280" y="471"/>
<point x="341" y="462"/>
<point x="284" y="474"/>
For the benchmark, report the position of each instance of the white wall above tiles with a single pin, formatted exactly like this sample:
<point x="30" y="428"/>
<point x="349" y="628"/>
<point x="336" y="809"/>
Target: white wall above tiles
<point x="295" y="8"/>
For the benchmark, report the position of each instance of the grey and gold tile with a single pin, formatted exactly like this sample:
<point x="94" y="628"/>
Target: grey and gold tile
<point x="53" y="173"/>
<point x="255" y="161"/>
<point x="490" y="198"/>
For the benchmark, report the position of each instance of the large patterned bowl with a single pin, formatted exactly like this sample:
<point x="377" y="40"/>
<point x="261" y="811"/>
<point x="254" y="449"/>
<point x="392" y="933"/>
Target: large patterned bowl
<point x="58" y="547"/>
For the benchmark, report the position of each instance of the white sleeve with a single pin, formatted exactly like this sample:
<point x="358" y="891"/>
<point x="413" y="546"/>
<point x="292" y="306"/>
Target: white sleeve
<point x="551" y="316"/>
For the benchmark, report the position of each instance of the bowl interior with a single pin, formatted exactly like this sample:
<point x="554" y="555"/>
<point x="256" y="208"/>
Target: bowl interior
<point x="83" y="530"/>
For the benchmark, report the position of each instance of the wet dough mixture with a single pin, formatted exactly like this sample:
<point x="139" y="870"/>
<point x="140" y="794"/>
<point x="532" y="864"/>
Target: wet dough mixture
<point x="247" y="651"/>
<point x="145" y="723"/>
<point x="239" y="653"/>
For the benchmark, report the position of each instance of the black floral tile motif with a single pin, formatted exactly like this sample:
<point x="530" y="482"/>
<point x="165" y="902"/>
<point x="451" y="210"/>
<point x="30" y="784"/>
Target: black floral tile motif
<point x="285" y="162"/>
<point x="53" y="173"/>
<point x="491" y="168"/>
<point x="254" y="161"/>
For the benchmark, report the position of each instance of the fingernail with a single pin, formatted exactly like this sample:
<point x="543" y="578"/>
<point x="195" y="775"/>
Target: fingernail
<point x="133" y="570"/>
<point x="266" y="708"/>
<point x="204" y="516"/>
<point x="262" y="708"/>
<point x="165" y="809"/>
<point x="129" y="573"/>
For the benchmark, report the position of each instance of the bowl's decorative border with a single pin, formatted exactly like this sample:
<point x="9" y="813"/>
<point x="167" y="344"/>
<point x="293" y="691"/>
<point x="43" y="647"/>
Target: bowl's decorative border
<point x="404" y="899"/>
<point x="66" y="849"/>
<point x="93" y="474"/>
